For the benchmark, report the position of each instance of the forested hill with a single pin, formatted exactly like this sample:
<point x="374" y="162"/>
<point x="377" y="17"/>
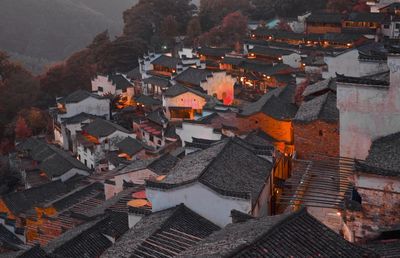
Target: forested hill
<point x="39" y="31"/>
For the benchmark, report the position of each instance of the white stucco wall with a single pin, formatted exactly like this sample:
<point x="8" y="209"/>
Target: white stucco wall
<point x="90" y="105"/>
<point x="187" y="99"/>
<point x="190" y="130"/>
<point x="293" y="60"/>
<point x="348" y="64"/>
<point x="222" y="85"/>
<point x="102" y="81"/>
<point x="368" y="112"/>
<point x="201" y="199"/>
<point x="378" y="183"/>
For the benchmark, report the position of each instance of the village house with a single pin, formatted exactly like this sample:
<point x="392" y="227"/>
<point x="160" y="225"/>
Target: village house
<point x="227" y="175"/>
<point x="357" y="62"/>
<point x="217" y="84"/>
<point x="114" y="85"/>
<point x="97" y="139"/>
<point x="155" y="130"/>
<point x="212" y="56"/>
<point x="74" y="104"/>
<point x="369" y="108"/>
<point x="373" y="208"/>
<point x="274" y="55"/>
<point x="273" y="113"/>
<point x="182" y="102"/>
<point x="137" y="172"/>
<point x="316" y="124"/>
<point x="262" y="236"/>
<point x="368" y="24"/>
<point x="46" y="162"/>
<point x="321" y="23"/>
<point x="163" y="233"/>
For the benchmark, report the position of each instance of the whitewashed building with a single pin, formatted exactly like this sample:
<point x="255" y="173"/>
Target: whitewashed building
<point x="224" y="177"/>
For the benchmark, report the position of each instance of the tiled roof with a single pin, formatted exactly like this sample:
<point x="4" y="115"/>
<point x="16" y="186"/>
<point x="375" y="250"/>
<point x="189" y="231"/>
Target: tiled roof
<point x="320" y="87"/>
<point x="93" y="241"/>
<point x="8" y="240"/>
<point x="362" y="81"/>
<point x="229" y="167"/>
<point x="288" y="235"/>
<point x="25" y="200"/>
<point x="163" y="164"/>
<point x="212" y="51"/>
<point x="78" y="96"/>
<point x="158" y="81"/>
<point x="130" y="146"/>
<point x="383" y="157"/>
<point x="366" y="17"/>
<point x="385" y="248"/>
<point x="232" y="60"/>
<point x="134" y="74"/>
<point x="166" y="61"/>
<point x="77" y="119"/>
<point x="267" y="69"/>
<point x="179" y="89"/>
<point x="34" y="252"/>
<point x="103" y="128"/>
<point x="277" y="103"/>
<point x="120" y="82"/>
<point x="267" y="51"/>
<point x="193" y="76"/>
<point x="163" y="234"/>
<point x="148" y="101"/>
<point x="320" y="108"/>
<point x="158" y="117"/>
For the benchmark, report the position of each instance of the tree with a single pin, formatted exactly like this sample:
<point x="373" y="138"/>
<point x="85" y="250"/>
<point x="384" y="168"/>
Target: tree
<point x="22" y="131"/>
<point x="233" y="29"/>
<point x="193" y="29"/>
<point x="169" y="30"/>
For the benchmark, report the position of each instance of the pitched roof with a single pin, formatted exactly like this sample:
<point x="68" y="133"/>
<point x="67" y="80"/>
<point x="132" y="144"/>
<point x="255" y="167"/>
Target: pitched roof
<point x="303" y="235"/>
<point x="277" y="103"/>
<point x="79" y="118"/>
<point x="93" y="241"/>
<point x="8" y="240"/>
<point x="101" y="128"/>
<point x="366" y="17"/>
<point x="320" y="87"/>
<point x="119" y="81"/>
<point x="383" y="157"/>
<point x="34" y="252"/>
<point x="25" y="200"/>
<point x="59" y="163"/>
<point x="158" y="117"/>
<point x="163" y="234"/>
<point x="163" y="164"/>
<point x="362" y="81"/>
<point x="134" y="74"/>
<point x="272" y="52"/>
<point x="167" y="61"/>
<point x="385" y="248"/>
<point x="229" y="167"/>
<point x="267" y="69"/>
<point x="147" y="100"/>
<point x="320" y="108"/>
<point x="78" y="96"/>
<point x="158" y="81"/>
<point x="179" y="89"/>
<point x="193" y="76"/>
<point x="130" y="146"/>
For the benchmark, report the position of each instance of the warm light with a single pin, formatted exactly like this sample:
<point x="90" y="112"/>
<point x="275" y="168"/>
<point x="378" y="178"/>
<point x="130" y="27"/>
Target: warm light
<point x="242" y="79"/>
<point x="268" y="77"/>
<point x="252" y="54"/>
<point x="173" y="70"/>
<point x="222" y="57"/>
<point x="279" y="58"/>
<point x="349" y="44"/>
<point x="270" y="37"/>
<point x="264" y="75"/>
<point x="253" y="35"/>
<point x="303" y="64"/>
<point x="338" y="213"/>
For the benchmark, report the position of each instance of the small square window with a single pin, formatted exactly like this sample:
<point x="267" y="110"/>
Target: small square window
<point x="100" y="89"/>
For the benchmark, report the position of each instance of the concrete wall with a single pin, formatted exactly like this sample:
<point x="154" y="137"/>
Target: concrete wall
<point x="368" y="112"/>
<point x="200" y="199"/>
<point x="348" y="64"/>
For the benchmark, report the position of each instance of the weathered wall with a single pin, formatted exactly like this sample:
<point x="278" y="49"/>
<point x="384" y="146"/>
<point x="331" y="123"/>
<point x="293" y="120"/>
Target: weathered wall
<point x="93" y="106"/>
<point x="221" y="85"/>
<point x="379" y="207"/>
<point x="317" y="137"/>
<point x="187" y="99"/>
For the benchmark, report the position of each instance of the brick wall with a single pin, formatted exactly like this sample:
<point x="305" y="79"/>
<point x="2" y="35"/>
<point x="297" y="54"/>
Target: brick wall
<point x="317" y="137"/>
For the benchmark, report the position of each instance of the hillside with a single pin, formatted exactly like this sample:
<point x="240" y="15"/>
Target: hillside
<point x="39" y="31"/>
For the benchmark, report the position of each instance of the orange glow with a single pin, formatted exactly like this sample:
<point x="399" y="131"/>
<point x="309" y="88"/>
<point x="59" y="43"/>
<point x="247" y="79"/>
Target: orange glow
<point x="160" y="178"/>
<point x="139" y="203"/>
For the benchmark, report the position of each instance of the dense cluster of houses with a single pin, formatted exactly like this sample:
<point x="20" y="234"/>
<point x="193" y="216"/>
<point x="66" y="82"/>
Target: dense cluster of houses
<point x="214" y="152"/>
